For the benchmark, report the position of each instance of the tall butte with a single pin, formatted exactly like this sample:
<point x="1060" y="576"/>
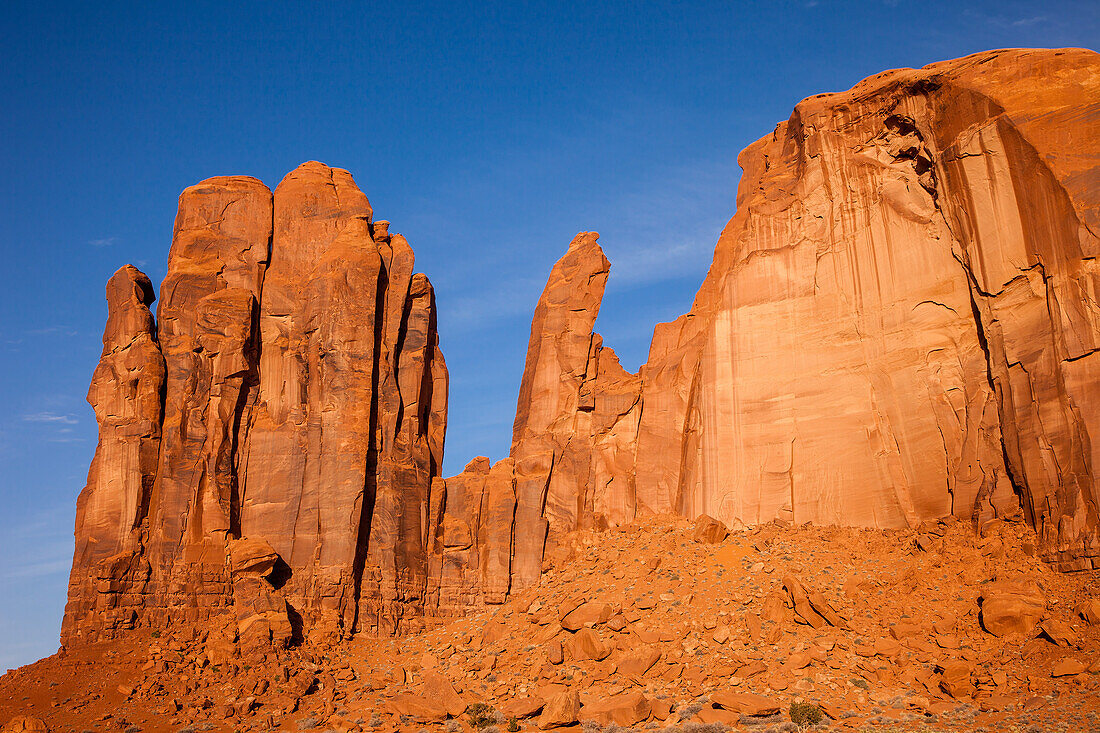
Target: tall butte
<point x="901" y="323"/>
<point x="267" y="448"/>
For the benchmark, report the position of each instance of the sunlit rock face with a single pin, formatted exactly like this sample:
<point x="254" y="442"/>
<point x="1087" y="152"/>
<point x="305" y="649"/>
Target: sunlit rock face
<point x="900" y="324"/>
<point x="289" y="404"/>
<point x="901" y="319"/>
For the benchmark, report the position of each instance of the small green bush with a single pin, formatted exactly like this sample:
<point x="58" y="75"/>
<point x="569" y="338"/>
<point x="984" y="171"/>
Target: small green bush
<point x="513" y="725"/>
<point x="481" y="715"/>
<point x="806" y="714"/>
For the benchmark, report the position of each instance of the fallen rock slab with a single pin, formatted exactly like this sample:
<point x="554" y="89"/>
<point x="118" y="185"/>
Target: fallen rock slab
<point x="1067" y="666"/>
<point x="1012" y="607"/>
<point x="418" y="706"/>
<point x="709" y="530"/>
<point x="745" y="703"/>
<point x="24" y="724"/>
<point x="638" y="662"/>
<point x="523" y="707"/>
<point x="561" y="710"/>
<point x="626" y="709"/>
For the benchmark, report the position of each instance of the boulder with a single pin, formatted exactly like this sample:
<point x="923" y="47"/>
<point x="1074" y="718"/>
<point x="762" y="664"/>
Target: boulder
<point x="1012" y="607"/>
<point x="418" y="707"/>
<point x="637" y="662"/>
<point x="710" y="714"/>
<point x="626" y="709"/>
<point x="560" y="710"/>
<point x="439" y="689"/>
<point x="1089" y="611"/>
<point x="24" y="724"/>
<point x="249" y="556"/>
<point x="1067" y="666"/>
<point x="709" y="530"/>
<point x="810" y="607"/>
<point x="586" y="644"/>
<point x="1058" y="631"/>
<point x="589" y="613"/>
<point x="523" y="707"/>
<point x="745" y="703"/>
<point x="956" y="679"/>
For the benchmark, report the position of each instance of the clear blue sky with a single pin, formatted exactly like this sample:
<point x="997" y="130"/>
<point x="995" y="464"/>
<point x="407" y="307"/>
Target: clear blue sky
<point x="489" y="134"/>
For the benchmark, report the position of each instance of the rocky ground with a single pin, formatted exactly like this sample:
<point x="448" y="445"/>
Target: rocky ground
<point x="658" y="625"/>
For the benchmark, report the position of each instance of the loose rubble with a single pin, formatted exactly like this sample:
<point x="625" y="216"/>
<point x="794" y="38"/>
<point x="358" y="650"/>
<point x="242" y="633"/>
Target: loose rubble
<point x="727" y="634"/>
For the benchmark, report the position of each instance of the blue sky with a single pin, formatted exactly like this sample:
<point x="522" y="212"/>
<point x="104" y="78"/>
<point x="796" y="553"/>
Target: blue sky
<point x="489" y="134"/>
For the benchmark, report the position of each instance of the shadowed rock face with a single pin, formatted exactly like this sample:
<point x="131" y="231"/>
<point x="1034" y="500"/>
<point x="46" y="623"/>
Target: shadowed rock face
<point x="273" y="453"/>
<point x="900" y="324"/>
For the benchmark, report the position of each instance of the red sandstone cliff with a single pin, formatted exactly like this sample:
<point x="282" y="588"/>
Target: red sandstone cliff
<point x="298" y="429"/>
<point x="900" y="324"/>
<point x="901" y="319"/>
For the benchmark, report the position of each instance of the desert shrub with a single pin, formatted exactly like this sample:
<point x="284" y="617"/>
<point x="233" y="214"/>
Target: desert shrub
<point x="481" y="715"/>
<point x="806" y="713"/>
<point x="706" y="728"/>
<point x="513" y="725"/>
<point x="687" y="711"/>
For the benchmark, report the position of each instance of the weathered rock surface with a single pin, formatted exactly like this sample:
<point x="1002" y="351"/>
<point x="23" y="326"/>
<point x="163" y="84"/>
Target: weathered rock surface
<point x="899" y="325"/>
<point x="745" y="703"/>
<point x="576" y="417"/>
<point x="126" y="396"/>
<point x="560" y="710"/>
<point x="1012" y="607"/>
<point x="267" y="457"/>
<point x="623" y="710"/>
<point x="471" y="534"/>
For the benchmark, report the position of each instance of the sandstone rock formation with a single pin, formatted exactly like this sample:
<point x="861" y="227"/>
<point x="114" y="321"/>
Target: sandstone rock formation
<point x="268" y="460"/>
<point x="900" y="325"/>
<point x="126" y="394"/>
<point x="900" y="322"/>
<point x="577" y="414"/>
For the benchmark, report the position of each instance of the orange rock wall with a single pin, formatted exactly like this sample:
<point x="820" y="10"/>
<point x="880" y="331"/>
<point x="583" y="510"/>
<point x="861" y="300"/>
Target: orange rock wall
<point x="290" y="402"/>
<point x="899" y="321"/>
<point x="900" y="324"/>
